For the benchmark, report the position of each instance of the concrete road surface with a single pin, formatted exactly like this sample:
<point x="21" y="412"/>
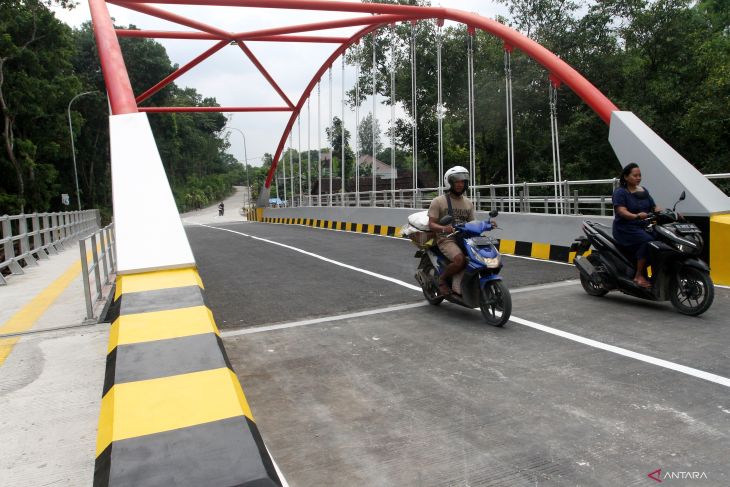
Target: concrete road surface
<point x="355" y="381"/>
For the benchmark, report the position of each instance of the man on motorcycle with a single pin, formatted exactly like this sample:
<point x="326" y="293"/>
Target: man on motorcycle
<point x="454" y="203"/>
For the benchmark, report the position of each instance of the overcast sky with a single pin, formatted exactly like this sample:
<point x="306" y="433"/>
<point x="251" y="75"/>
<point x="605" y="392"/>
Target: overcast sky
<point x="231" y="78"/>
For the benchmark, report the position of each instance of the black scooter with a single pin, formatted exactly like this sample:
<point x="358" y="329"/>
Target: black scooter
<point x="678" y="274"/>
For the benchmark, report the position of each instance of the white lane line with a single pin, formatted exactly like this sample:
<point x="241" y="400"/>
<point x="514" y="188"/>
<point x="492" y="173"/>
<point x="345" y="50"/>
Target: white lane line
<point x="325" y="259"/>
<point x="542" y="287"/>
<point x="701" y="374"/>
<point x="538" y="260"/>
<point x="717" y="379"/>
<point x="314" y="321"/>
<point x="407" y="241"/>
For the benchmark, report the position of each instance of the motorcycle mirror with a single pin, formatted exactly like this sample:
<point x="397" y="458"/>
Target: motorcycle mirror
<point x="681" y="198"/>
<point x="446" y="220"/>
<point x="493" y="213"/>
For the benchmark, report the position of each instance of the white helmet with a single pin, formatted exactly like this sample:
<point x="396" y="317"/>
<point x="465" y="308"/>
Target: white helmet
<point x="456" y="173"/>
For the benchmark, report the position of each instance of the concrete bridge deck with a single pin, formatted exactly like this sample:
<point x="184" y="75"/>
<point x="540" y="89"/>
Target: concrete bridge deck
<point x="355" y="381"/>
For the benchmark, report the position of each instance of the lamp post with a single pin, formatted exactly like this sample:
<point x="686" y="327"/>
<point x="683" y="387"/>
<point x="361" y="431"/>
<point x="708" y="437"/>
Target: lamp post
<point x="73" y="147"/>
<point x="245" y="157"/>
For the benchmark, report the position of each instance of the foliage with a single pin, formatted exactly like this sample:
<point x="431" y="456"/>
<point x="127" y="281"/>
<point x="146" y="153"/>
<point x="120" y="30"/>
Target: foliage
<point x="666" y="60"/>
<point x="36" y="82"/>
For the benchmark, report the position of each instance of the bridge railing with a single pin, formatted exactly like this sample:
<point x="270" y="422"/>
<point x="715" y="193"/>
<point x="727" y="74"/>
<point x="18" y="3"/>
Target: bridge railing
<point x="584" y="197"/>
<point x="101" y="244"/>
<point x="26" y="238"/>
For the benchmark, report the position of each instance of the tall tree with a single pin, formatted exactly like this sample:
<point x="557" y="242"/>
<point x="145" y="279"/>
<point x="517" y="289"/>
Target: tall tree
<point x="36" y="82"/>
<point x="365" y="135"/>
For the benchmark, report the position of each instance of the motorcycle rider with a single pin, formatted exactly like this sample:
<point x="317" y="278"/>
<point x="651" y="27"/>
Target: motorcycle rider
<point x="456" y="204"/>
<point x="632" y="204"/>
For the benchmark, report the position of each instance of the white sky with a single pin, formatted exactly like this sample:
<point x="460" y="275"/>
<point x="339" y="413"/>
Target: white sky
<point x="234" y="81"/>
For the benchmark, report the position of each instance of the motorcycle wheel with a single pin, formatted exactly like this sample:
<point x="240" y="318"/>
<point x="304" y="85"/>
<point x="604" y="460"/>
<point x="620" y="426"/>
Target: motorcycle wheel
<point x="691" y="291"/>
<point x="495" y="303"/>
<point x="591" y="287"/>
<point x="431" y="292"/>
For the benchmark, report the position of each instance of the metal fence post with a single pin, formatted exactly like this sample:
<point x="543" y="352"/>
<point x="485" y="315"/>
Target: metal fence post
<point x="9" y="247"/>
<point x="58" y="230"/>
<point x="526" y="191"/>
<point x="48" y="234"/>
<point x="546" y="205"/>
<point x="575" y="202"/>
<point x="71" y="221"/>
<point x="112" y="257"/>
<point x="37" y="241"/>
<point x="63" y="231"/>
<point x="85" y="279"/>
<point x="25" y="241"/>
<point x="492" y="198"/>
<point x="603" y="206"/>
<point x="95" y="264"/>
<point x="104" y="253"/>
<point x="521" y="194"/>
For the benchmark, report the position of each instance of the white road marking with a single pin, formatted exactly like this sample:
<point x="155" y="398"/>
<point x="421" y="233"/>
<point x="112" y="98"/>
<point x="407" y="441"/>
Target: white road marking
<point x="700" y="374"/>
<point x="320" y="257"/>
<point x="538" y="260"/>
<point x="542" y="287"/>
<point x="314" y="321"/>
<point x="408" y="241"/>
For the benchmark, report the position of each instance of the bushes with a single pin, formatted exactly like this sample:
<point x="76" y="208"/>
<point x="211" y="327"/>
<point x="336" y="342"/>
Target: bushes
<point x="198" y="193"/>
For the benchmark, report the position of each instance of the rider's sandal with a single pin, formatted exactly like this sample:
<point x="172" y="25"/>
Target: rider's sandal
<point x="642" y="284"/>
<point x="444" y="289"/>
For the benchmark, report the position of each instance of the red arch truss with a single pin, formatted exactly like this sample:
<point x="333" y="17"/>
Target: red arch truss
<point x="123" y="100"/>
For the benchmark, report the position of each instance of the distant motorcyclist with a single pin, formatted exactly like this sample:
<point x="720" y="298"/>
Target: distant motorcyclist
<point x="221" y="209"/>
<point x="456" y="204"/>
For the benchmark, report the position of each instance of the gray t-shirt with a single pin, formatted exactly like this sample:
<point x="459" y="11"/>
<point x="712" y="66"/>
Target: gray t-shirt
<point x="462" y="209"/>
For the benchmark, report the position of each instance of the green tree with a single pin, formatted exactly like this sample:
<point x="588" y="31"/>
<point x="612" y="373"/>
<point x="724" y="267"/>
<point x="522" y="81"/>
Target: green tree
<point x="36" y="82"/>
<point x="365" y="135"/>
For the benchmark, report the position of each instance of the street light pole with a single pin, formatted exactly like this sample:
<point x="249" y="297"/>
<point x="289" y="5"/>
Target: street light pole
<point x="73" y="147"/>
<point x="245" y="157"/>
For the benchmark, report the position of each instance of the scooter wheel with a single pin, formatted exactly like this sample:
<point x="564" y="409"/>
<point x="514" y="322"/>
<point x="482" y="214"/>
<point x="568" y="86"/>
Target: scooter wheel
<point x="431" y="290"/>
<point x="591" y="287"/>
<point x="691" y="291"/>
<point x="495" y="303"/>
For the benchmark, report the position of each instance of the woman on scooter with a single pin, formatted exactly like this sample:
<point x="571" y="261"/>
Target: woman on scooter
<point x="632" y="203"/>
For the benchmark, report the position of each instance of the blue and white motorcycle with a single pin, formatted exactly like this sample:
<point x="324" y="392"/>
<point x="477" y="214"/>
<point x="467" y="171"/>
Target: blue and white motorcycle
<point x="481" y="284"/>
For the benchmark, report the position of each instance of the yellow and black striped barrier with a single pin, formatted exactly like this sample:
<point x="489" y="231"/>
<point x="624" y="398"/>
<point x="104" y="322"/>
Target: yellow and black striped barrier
<point x="536" y="250"/>
<point x="173" y="411"/>
<point x="720" y="248"/>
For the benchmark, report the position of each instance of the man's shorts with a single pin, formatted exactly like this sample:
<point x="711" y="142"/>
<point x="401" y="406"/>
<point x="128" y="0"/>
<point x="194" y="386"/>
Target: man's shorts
<point x="449" y="248"/>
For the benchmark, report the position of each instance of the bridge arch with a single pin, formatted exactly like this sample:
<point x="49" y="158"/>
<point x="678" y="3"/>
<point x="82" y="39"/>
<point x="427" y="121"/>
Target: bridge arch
<point x="122" y="100"/>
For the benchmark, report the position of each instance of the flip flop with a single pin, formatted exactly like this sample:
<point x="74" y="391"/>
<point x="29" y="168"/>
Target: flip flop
<point x="643" y="284"/>
<point x="444" y="289"/>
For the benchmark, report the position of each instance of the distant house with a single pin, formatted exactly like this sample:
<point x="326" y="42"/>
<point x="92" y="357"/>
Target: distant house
<point x="382" y="170"/>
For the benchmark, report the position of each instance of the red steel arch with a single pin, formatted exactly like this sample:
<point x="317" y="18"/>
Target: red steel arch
<point x="122" y="99"/>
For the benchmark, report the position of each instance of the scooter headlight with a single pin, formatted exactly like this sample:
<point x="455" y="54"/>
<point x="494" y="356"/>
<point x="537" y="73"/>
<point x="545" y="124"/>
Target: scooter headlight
<point x="490" y="262"/>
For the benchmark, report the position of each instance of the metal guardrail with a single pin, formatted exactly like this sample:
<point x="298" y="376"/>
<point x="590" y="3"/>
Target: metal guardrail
<point x="103" y="258"/>
<point x="27" y="238"/>
<point x="584" y="197"/>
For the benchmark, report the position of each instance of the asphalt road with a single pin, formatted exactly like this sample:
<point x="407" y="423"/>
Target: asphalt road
<point x="432" y="396"/>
